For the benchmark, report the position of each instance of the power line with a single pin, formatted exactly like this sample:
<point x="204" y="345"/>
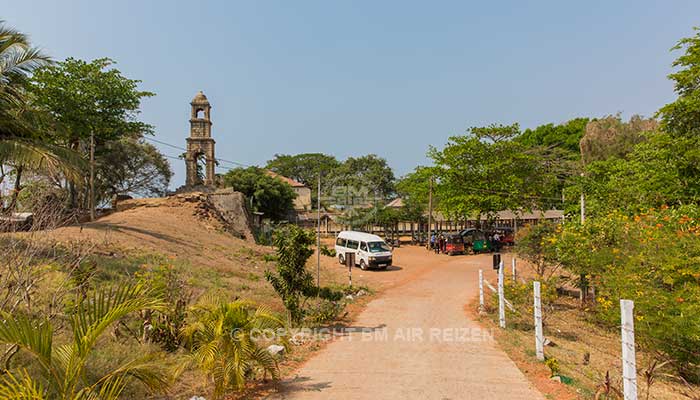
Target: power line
<point x="184" y="149"/>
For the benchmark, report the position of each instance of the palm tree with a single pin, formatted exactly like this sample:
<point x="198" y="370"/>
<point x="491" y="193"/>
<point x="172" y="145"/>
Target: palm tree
<point x="19" y="146"/>
<point x="17" y="60"/>
<point x="63" y="368"/>
<point x="222" y="341"/>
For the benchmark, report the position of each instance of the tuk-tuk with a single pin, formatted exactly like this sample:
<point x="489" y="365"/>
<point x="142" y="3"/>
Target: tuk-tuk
<point x="454" y="244"/>
<point x="476" y="240"/>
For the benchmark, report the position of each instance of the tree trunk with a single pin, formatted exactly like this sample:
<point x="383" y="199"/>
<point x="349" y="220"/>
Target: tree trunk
<point x="17" y="188"/>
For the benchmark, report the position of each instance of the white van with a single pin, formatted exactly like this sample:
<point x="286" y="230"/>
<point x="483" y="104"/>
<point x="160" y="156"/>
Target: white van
<point x="370" y="250"/>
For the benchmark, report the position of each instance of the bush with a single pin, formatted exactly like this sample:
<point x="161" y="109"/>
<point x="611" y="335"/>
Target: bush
<point x="163" y="326"/>
<point x="224" y="343"/>
<point x="535" y="243"/>
<point x="327" y="252"/>
<point x="292" y="281"/>
<point x="652" y="258"/>
<point x="521" y="296"/>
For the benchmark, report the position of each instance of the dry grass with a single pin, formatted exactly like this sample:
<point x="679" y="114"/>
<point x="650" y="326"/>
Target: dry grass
<point x="586" y="351"/>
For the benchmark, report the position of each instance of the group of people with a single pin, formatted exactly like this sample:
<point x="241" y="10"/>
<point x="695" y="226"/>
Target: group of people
<point x="438" y="243"/>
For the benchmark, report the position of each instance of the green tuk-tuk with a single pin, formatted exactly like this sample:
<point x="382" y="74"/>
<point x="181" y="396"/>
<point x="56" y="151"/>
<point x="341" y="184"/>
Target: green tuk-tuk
<point x="476" y="240"/>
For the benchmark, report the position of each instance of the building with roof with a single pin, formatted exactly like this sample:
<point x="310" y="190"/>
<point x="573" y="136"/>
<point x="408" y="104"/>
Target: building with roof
<point x="303" y="200"/>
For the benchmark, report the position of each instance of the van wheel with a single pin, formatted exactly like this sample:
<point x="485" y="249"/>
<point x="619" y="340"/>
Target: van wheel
<point x="363" y="266"/>
<point x="341" y="259"/>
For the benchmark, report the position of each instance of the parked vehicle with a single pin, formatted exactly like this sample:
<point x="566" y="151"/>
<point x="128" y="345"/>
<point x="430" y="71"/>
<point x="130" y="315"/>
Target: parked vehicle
<point x="370" y="250"/>
<point x="476" y="240"/>
<point x="454" y="244"/>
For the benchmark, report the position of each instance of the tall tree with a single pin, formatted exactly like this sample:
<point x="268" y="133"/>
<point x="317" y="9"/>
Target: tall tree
<point x="271" y="196"/>
<point x="565" y="136"/>
<point x="22" y="145"/>
<point x="682" y="116"/>
<point x="130" y="166"/>
<point x="369" y="173"/>
<point x="486" y="171"/>
<point x="89" y="98"/>
<point x="305" y="168"/>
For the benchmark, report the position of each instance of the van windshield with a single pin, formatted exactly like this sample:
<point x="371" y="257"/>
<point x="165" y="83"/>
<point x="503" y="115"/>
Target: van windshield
<point x="378" y="247"/>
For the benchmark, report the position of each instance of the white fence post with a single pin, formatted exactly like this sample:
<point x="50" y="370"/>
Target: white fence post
<point x="481" y="290"/>
<point x="539" y="337"/>
<point x="501" y="298"/>
<point x="629" y="362"/>
<point x="514" y="273"/>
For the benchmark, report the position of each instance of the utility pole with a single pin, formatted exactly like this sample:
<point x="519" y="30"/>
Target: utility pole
<point x="318" y="232"/>
<point x="430" y="213"/>
<point x="91" y="200"/>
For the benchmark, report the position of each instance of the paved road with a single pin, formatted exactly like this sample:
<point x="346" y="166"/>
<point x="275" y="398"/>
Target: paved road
<point x="416" y="342"/>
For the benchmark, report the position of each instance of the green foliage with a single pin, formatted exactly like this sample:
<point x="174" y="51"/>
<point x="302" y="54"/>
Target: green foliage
<point x="129" y="166"/>
<point x="486" y="171"/>
<point x="90" y="97"/>
<point x="292" y="281"/>
<point x="224" y="343"/>
<point x="681" y="118"/>
<point x="553" y="365"/>
<point x="325" y="251"/>
<point x="564" y="136"/>
<point x="535" y="243"/>
<point x="164" y="324"/>
<point x="370" y="172"/>
<point x="63" y="367"/>
<point x="520" y="295"/>
<point x="652" y="258"/>
<point x="269" y="195"/>
<point x="304" y="168"/>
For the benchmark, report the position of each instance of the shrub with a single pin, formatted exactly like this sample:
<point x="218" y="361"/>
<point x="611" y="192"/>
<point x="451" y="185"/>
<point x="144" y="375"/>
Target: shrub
<point x="163" y="326"/>
<point x="327" y="252"/>
<point x="224" y="343"/>
<point x="652" y="258"/>
<point x="292" y="281"/>
<point x="535" y="243"/>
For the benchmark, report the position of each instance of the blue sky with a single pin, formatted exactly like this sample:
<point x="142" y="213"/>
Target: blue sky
<point x="354" y="77"/>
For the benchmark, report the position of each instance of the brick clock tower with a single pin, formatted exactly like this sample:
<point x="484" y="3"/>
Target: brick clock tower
<point x="200" y="143"/>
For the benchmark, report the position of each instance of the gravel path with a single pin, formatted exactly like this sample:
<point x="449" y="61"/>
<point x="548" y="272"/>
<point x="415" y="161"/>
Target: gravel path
<point x="415" y="341"/>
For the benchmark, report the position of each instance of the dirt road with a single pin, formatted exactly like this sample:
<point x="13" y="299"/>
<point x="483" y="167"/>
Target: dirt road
<point x="415" y="341"/>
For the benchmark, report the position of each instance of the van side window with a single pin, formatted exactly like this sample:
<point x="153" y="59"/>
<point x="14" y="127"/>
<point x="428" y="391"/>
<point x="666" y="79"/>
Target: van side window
<point x="352" y="244"/>
<point x="340" y="242"/>
<point x="363" y="246"/>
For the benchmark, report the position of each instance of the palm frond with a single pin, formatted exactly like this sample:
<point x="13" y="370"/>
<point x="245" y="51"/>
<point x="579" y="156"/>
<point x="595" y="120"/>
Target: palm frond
<point x="42" y="157"/>
<point x="105" y="307"/>
<point x="34" y="337"/>
<point x="147" y="370"/>
<point x="22" y="387"/>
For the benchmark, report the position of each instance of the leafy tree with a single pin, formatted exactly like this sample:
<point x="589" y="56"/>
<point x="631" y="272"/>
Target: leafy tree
<point x="414" y="188"/>
<point x="304" y="168"/>
<point x="64" y="367"/>
<point x="370" y="172"/>
<point x="129" y="166"/>
<point x="682" y="117"/>
<point x="269" y="195"/>
<point x="221" y="337"/>
<point x="534" y="243"/>
<point x="88" y="98"/>
<point x="564" y="136"/>
<point x="293" y="282"/>
<point x="486" y="171"/>
<point x="22" y="147"/>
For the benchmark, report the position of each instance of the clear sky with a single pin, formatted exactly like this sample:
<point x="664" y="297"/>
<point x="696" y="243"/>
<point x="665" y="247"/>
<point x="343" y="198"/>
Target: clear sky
<point x="354" y="77"/>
